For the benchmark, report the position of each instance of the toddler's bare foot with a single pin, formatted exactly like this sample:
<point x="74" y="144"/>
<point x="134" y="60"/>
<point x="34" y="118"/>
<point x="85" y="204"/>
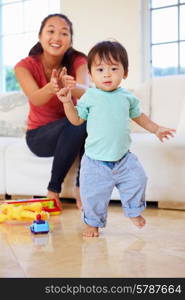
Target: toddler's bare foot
<point x="90" y="231"/>
<point x="54" y="195"/>
<point x="138" y="221"/>
<point x="77" y="197"/>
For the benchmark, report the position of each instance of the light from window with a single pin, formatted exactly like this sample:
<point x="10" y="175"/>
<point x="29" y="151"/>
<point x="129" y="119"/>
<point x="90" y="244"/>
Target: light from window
<point x="182" y="57"/>
<point x="167" y="37"/>
<point x="8" y="1"/>
<point x="32" y="10"/>
<point x="165" y="59"/>
<point x="8" y="13"/>
<point x="161" y="3"/>
<point x="164" y="25"/>
<point x="182" y="23"/>
<point x="20" y="23"/>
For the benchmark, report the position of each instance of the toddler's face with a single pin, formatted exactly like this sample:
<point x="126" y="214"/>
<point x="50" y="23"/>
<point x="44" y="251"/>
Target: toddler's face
<point x="107" y="75"/>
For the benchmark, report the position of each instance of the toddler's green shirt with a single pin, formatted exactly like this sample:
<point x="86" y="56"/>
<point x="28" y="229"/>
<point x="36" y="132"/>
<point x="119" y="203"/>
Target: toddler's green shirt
<point x="108" y="116"/>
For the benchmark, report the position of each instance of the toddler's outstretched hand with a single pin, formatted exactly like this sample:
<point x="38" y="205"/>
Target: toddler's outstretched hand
<point x="64" y="95"/>
<point x="164" y="133"/>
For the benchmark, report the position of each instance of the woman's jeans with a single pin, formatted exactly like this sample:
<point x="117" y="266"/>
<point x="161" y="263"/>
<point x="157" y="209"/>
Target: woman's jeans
<point x="64" y="142"/>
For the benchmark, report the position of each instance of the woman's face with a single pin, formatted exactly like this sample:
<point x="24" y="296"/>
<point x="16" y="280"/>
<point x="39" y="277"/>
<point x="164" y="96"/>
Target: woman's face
<point x="55" y="37"/>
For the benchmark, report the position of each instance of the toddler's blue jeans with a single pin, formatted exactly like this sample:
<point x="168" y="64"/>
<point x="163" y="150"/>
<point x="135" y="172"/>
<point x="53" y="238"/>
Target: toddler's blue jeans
<point x="97" y="180"/>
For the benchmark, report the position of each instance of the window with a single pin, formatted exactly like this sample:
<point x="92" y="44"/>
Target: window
<point x="19" y="26"/>
<point x="167" y="44"/>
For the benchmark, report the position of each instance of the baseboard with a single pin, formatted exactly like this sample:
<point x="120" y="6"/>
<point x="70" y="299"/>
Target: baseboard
<point x="171" y="205"/>
<point x="16" y="197"/>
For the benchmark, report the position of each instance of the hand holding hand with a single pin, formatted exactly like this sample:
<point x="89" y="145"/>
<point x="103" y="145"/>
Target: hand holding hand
<point x="61" y="80"/>
<point x="164" y="133"/>
<point x="64" y="95"/>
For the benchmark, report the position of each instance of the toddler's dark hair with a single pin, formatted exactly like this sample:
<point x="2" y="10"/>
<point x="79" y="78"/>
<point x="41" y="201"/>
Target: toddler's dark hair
<point x="108" y="50"/>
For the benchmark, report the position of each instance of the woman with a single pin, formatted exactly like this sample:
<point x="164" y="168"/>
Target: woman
<point x="40" y="76"/>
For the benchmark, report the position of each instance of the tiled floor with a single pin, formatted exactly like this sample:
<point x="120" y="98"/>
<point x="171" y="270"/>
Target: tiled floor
<point x="122" y="250"/>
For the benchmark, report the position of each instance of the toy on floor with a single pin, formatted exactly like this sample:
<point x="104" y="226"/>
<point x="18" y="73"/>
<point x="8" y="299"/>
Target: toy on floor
<point x="49" y="205"/>
<point x="26" y="210"/>
<point x="9" y="212"/>
<point x="39" y="225"/>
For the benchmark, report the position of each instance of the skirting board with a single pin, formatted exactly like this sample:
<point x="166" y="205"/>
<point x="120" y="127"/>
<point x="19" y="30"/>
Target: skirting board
<point x="171" y="205"/>
<point x="16" y="197"/>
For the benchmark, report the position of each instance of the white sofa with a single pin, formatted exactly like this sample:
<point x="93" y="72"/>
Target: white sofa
<point x="22" y="173"/>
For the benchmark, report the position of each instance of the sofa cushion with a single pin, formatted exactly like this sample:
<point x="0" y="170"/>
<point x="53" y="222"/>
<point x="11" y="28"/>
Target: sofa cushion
<point x="28" y="174"/>
<point x="143" y="92"/>
<point x="13" y="114"/>
<point x="4" y="143"/>
<point x="163" y="164"/>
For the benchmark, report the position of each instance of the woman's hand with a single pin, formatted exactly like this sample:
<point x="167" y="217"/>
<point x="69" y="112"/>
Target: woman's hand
<point x="54" y="81"/>
<point x="61" y="80"/>
<point x="66" y="80"/>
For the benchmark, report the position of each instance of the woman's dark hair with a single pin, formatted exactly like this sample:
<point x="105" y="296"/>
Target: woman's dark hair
<point x="70" y="54"/>
<point x="108" y="50"/>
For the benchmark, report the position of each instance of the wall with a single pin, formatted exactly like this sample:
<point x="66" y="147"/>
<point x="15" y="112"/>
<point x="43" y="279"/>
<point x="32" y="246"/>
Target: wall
<point x="98" y="20"/>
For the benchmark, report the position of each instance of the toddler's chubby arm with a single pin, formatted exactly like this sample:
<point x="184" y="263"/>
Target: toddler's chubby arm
<point x="160" y="131"/>
<point x="64" y="96"/>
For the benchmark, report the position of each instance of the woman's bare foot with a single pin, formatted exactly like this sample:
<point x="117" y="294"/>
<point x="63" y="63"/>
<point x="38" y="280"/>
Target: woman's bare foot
<point x="77" y="197"/>
<point x="90" y="231"/>
<point x="54" y="195"/>
<point x="138" y="221"/>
